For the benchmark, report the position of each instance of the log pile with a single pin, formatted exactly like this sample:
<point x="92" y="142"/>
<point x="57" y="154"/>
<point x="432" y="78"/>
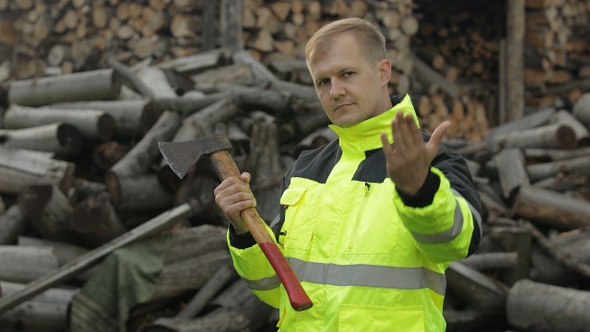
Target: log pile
<point x="532" y="174"/>
<point x="80" y="172"/>
<point x="533" y="177"/>
<point x="78" y="35"/>
<point x="462" y="57"/>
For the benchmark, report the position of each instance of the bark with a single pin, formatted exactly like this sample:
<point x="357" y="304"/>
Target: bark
<point x="103" y="84"/>
<point x="548" y="136"/>
<point x="161" y="222"/>
<point x="214" y="285"/>
<point x="20" y="168"/>
<point x="92" y="124"/>
<point x="25" y="264"/>
<point x="511" y="170"/>
<point x="553" y="209"/>
<point x="581" y="109"/>
<point x="237" y="310"/>
<point x="96" y="221"/>
<point x="125" y="113"/>
<point x="542" y="171"/>
<point x="142" y="192"/>
<point x="139" y="158"/>
<point x="60" y="138"/>
<point x="537" y="307"/>
<point x="36" y="316"/>
<point x="47" y="210"/>
<point x="12" y="225"/>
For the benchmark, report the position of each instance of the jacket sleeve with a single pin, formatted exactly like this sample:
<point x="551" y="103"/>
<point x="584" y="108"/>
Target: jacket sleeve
<point x="253" y="267"/>
<point x="444" y="217"/>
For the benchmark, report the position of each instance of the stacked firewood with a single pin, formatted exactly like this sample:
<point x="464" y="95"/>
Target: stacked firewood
<point x="80" y="173"/>
<point x="461" y="57"/>
<point x="532" y="269"/>
<point x="81" y="176"/>
<point x="73" y="35"/>
<point x="53" y="37"/>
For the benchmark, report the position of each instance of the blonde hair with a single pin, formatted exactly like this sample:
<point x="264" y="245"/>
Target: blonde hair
<point x="367" y="35"/>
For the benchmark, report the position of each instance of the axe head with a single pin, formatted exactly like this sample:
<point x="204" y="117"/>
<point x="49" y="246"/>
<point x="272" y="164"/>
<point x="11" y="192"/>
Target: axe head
<point x="181" y="156"/>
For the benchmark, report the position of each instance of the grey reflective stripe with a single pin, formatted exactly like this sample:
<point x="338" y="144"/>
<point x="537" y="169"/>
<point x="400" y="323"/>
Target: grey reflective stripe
<point x="474" y="213"/>
<point x="454" y="231"/>
<point x="368" y="275"/>
<point x="263" y="284"/>
<point x="358" y="275"/>
<point x="447" y="235"/>
<point x="361" y="275"/>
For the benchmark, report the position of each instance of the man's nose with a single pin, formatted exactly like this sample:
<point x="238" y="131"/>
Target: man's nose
<point x="336" y="89"/>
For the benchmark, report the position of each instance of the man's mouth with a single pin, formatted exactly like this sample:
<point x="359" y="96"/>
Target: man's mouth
<point x="341" y="106"/>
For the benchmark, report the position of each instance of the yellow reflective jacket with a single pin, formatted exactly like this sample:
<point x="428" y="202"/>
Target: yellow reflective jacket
<point x="370" y="259"/>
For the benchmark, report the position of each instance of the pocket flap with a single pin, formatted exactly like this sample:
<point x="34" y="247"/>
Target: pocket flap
<point x="292" y="195"/>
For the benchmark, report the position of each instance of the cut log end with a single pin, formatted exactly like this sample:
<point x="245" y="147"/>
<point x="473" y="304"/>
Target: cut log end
<point x="87" y="216"/>
<point x="566" y="137"/>
<point x="113" y="187"/>
<point x="70" y="138"/>
<point x="106" y="127"/>
<point x="150" y="114"/>
<point x="34" y="198"/>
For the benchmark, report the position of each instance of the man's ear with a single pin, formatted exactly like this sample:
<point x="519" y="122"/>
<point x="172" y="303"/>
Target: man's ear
<point x="384" y="71"/>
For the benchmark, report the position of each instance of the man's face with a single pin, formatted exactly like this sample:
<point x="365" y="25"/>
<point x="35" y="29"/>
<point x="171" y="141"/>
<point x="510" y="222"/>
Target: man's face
<point x="350" y="89"/>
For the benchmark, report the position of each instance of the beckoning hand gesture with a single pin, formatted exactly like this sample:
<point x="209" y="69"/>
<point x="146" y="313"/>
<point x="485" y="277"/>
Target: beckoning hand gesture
<point x="408" y="159"/>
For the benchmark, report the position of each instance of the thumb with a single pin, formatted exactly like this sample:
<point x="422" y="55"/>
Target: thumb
<point x="437" y="136"/>
<point x="245" y="177"/>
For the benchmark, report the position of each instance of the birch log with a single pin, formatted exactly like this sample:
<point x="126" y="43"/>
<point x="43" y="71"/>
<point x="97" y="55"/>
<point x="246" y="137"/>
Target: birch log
<point x="91" y="123"/>
<point x="537" y="307"/>
<point x="48" y="210"/>
<point x="103" y="84"/>
<point x="12" y="225"/>
<point x="126" y="113"/>
<point x="25" y="264"/>
<point x="550" y="208"/>
<point x="20" y="168"/>
<point x="60" y="138"/>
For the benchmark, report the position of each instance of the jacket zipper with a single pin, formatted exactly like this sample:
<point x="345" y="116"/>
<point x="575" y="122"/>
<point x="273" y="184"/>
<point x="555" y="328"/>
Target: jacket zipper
<point x="354" y="235"/>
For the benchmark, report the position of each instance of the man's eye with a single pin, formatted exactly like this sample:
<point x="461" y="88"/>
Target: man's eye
<point x="347" y="74"/>
<point x="323" y="82"/>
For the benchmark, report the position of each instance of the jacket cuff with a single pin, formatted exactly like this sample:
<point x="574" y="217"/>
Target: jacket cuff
<point x="242" y="241"/>
<point x="425" y="195"/>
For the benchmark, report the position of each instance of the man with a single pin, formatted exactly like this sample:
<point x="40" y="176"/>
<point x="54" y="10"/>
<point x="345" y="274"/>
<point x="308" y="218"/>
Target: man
<point x="368" y="226"/>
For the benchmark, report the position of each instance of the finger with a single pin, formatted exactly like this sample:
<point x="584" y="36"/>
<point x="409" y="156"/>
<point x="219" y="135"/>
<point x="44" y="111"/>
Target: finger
<point x="387" y="148"/>
<point x="225" y="184"/>
<point x="437" y="135"/>
<point x="396" y="131"/>
<point x="404" y="134"/>
<point x="414" y="131"/>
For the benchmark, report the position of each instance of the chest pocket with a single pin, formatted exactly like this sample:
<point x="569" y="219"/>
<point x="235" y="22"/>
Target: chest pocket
<point x="373" y="229"/>
<point x="297" y="230"/>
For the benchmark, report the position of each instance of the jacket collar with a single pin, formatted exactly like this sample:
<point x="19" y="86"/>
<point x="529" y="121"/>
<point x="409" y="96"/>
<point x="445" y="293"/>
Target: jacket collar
<point x="366" y="135"/>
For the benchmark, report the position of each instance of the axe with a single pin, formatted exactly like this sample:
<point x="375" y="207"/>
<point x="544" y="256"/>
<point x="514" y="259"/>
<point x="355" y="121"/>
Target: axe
<point x="181" y="156"/>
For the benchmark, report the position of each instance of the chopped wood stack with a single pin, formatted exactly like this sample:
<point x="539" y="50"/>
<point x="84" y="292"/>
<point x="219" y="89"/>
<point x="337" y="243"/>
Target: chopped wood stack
<point x="461" y="59"/>
<point x="533" y="176"/>
<point x="80" y="170"/>
<point x="61" y="37"/>
<point x="75" y="35"/>
<point x="532" y="173"/>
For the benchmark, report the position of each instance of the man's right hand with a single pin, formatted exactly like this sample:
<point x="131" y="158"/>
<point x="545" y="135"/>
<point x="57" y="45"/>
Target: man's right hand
<point x="233" y="196"/>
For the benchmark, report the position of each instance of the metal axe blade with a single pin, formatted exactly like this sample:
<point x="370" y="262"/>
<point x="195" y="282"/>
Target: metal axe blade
<point x="182" y="156"/>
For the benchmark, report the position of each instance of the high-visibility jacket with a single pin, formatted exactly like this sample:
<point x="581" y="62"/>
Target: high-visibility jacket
<point x="369" y="258"/>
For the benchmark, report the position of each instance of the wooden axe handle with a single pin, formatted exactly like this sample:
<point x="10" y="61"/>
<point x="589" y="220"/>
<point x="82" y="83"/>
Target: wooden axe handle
<point x="225" y="168"/>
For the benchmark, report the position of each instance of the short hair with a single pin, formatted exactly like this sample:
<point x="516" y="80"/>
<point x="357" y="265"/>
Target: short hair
<point x="367" y="35"/>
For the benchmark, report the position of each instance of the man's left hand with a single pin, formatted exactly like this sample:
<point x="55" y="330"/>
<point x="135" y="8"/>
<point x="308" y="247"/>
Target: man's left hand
<point x="409" y="158"/>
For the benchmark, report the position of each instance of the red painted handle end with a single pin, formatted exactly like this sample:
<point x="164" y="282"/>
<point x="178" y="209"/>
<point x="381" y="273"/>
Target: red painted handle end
<point x="297" y="296"/>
